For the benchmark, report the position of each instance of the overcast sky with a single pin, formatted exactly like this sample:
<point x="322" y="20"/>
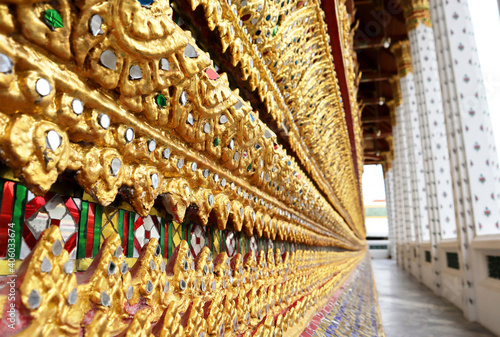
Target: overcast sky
<point x="373" y="184"/>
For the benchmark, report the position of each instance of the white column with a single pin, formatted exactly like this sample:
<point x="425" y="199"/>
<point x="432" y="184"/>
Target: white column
<point x="389" y="201"/>
<point x="473" y="153"/>
<point x="407" y="190"/>
<point x="441" y="209"/>
<point x="417" y="165"/>
<point x="434" y="148"/>
<point x="465" y="95"/>
<point x="410" y="119"/>
<point x="398" y="196"/>
<point x="402" y="166"/>
<point x="434" y="142"/>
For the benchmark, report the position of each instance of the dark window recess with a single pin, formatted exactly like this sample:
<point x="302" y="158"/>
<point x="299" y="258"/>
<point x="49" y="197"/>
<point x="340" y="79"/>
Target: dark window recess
<point x="414" y="252"/>
<point x="452" y="260"/>
<point x="378" y="246"/>
<point x="427" y="256"/>
<point x="493" y="266"/>
<point x="375" y="238"/>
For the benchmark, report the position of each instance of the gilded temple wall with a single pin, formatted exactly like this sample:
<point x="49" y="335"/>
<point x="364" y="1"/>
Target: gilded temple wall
<point x="174" y="168"/>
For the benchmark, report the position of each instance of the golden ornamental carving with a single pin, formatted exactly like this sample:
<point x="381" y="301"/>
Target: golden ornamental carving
<point x="216" y="296"/>
<point x="392" y="111"/>
<point x="416" y="12"/>
<point x="396" y="94"/>
<point x="402" y="52"/>
<point x="288" y="46"/>
<point x="164" y="126"/>
<point x="119" y="97"/>
<point x="354" y="77"/>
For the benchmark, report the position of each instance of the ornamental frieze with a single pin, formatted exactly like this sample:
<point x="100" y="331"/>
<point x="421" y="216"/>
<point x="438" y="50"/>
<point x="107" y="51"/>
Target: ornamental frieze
<point x="164" y="121"/>
<point x="151" y="185"/>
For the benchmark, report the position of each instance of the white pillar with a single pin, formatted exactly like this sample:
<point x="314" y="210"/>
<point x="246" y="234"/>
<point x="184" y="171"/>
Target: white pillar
<point x="398" y="198"/>
<point x="473" y="152"/>
<point x="465" y="95"/>
<point x="404" y="92"/>
<point x="422" y="232"/>
<point x="404" y="213"/>
<point x="407" y="188"/>
<point x="432" y="133"/>
<point x="389" y="200"/>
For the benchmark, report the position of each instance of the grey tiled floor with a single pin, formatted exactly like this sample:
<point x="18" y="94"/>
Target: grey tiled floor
<point x="409" y="309"/>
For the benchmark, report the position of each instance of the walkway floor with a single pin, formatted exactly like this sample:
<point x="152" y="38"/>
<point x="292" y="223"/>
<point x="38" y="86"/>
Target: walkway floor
<point x="409" y="309"/>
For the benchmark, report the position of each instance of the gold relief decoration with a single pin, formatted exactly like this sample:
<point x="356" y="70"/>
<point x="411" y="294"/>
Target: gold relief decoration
<point x="115" y="95"/>
<point x="416" y="12"/>
<point x="282" y="49"/>
<point x="402" y="52"/>
<point x="397" y="96"/>
<point x="138" y="110"/>
<point x="242" y="296"/>
<point x="392" y="105"/>
<point x="353" y="80"/>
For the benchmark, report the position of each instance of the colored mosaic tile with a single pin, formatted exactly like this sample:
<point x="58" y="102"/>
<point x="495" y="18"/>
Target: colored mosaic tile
<point x="84" y="225"/>
<point x="352" y="311"/>
<point x="198" y="239"/>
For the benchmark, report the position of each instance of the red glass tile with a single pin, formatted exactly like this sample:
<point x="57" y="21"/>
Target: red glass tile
<point x="6" y="215"/>
<point x="90" y="230"/>
<point x="29" y="238"/>
<point x="73" y="209"/>
<point x="137" y="245"/>
<point x="156" y="222"/>
<point x="70" y="245"/>
<point x="138" y="223"/>
<point x="165" y="241"/>
<point x="33" y="206"/>
<point x="55" y="222"/>
<point x="125" y="232"/>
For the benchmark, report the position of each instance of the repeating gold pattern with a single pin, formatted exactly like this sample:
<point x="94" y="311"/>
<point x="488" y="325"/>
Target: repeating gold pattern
<point x="117" y="95"/>
<point x="263" y="295"/>
<point x="287" y="59"/>
<point x="353" y="80"/>
<point x="122" y="140"/>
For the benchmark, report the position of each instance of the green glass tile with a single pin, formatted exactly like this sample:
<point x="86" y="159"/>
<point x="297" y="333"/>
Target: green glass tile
<point x="170" y="242"/>
<point x="53" y="19"/>
<point x="162" y="236"/>
<point x="161" y="101"/>
<point x="82" y="231"/>
<point x="187" y="233"/>
<point x="97" y="229"/>
<point x="18" y="215"/>
<point x="130" y="244"/>
<point x="121" y="216"/>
